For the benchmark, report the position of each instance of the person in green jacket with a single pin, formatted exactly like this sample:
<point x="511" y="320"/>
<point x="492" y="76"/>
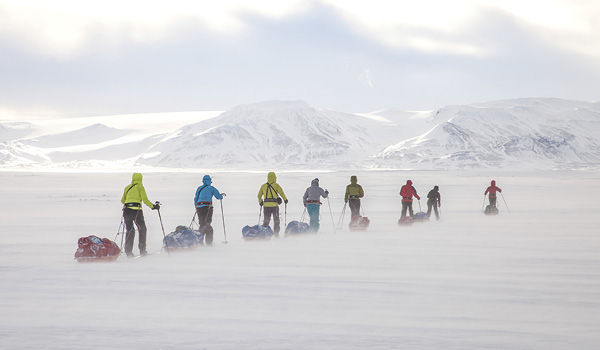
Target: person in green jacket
<point x="354" y="192"/>
<point x="133" y="196"/>
<point x="271" y="191"/>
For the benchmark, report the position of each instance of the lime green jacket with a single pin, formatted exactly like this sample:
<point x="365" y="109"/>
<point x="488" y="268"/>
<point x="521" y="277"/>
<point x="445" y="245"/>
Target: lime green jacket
<point x="136" y="193"/>
<point x="270" y="191"/>
<point x="354" y="190"/>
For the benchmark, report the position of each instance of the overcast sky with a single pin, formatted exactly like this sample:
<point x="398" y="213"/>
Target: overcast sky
<point x="113" y="57"/>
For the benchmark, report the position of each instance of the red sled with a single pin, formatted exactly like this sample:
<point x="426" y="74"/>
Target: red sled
<point x="96" y="249"/>
<point x="359" y="223"/>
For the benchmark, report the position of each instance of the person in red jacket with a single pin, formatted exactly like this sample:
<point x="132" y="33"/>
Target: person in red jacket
<point x="407" y="192"/>
<point x="492" y="191"/>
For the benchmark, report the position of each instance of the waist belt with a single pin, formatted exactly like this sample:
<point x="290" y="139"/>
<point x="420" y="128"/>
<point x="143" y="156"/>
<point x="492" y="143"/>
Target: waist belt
<point x="354" y="197"/>
<point x="407" y="198"/>
<point x="312" y="202"/>
<point x="129" y="205"/>
<point x="203" y="203"/>
<point x="271" y="200"/>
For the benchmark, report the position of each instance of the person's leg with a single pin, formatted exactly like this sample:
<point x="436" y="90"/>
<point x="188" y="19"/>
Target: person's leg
<point x="267" y="215"/>
<point x="276" y="221"/>
<point x="352" y="203"/>
<point x="437" y="213"/>
<point x="404" y="207"/>
<point x="429" y="205"/>
<point x="129" y="217"/>
<point x="208" y="236"/>
<point x="141" y="225"/>
<point x="492" y="201"/>
<point x="313" y="212"/>
<point x="410" y="210"/>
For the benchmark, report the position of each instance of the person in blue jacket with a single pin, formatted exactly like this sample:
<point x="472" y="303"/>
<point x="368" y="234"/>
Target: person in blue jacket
<point x="204" y="207"/>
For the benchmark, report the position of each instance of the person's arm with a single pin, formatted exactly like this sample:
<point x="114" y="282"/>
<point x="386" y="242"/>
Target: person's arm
<point x="347" y="194"/>
<point x="361" y="193"/>
<point x="305" y="197"/>
<point x="439" y="200"/>
<point x="216" y="193"/>
<point x="124" y="196"/>
<point x="280" y="191"/>
<point x="415" y="193"/>
<point x="260" y="194"/>
<point x="486" y="191"/>
<point x="144" y="197"/>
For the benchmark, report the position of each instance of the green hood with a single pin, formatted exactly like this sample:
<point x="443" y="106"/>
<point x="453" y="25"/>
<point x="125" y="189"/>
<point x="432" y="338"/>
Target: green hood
<point x="136" y="178"/>
<point x="271" y="178"/>
<point x="353" y="179"/>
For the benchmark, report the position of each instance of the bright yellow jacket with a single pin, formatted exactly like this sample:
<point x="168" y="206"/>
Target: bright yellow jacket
<point x="135" y="193"/>
<point x="354" y="190"/>
<point x="270" y="190"/>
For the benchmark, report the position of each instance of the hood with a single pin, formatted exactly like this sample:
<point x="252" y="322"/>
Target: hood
<point x="493" y="182"/>
<point x="353" y="179"/>
<point x="436" y="188"/>
<point x="136" y="178"/>
<point x="314" y="182"/>
<point x="408" y="182"/>
<point x="206" y="180"/>
<point x="271" y="178"/>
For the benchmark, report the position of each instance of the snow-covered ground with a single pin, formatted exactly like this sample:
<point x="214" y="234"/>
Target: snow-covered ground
<point x="528" y="279"/>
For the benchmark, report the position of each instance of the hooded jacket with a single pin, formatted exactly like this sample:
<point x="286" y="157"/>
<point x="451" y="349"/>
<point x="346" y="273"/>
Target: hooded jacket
<point x="434" y="195"/>
<point x="205" y="193"/>
<point x="408" y="191"/>
<point x="354" y="190"/>
<point x="314" y="193"/>
<point x="270" y="191"/>
<point x="492" y="190"/>
<point x="135" y="193"/>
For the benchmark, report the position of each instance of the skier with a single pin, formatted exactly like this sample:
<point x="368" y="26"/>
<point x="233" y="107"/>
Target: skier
<point x="312" y="202"/>
<point x="204" y="207"/>
<point x="133" y="196"/>
<point x="354" y="192"/>
<point x="434" y="200"/>
<point x="271" y="192"/>
<point x="492" y="189"/>
<point x="407" y="192"/>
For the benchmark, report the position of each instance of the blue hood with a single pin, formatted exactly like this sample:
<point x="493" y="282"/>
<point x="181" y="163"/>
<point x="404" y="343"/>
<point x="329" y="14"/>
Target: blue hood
<point x="206" y="180"/>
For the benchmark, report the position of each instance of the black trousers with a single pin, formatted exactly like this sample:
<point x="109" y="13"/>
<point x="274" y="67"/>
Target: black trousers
<point x="407" y="205"/>
<point x="493" y="201"/>
<point x="205" y="215"/>
<point x="354" y="204"/>
<point x="433" y="204"/>
<point x="131" y="217"/>
<point x="274" y="211"/>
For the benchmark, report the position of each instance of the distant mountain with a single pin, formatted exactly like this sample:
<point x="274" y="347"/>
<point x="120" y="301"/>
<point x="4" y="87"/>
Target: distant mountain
<point x="529" y="133"/>
<point x="524" y="133"/>
<point x="286" y="134"/>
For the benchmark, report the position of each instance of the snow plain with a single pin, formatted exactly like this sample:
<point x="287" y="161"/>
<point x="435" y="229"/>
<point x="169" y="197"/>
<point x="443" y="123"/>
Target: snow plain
<point x="528" y="279"/>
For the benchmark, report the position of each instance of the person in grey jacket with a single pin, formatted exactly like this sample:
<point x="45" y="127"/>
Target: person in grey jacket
<point x="312" y="202"/>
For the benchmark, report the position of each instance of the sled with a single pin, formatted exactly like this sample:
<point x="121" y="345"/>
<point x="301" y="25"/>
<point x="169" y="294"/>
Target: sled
<point x="183" y="239"/>
<point x="96" y="249"/>
<point x="297" y="228"/>
<point x="359" y="223"/>
<point x="491" y="210"/>
<point x="420" y="217"/>
<point x="405" y="221"/>
<point x="257" y="232"/>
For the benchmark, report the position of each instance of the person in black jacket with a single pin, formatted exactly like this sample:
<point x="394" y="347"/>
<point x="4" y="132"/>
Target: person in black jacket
<point x="434" y="200"/>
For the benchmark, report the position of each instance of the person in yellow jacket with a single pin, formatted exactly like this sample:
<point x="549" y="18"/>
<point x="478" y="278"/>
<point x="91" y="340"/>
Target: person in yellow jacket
<point x="354" y="192"/>
<point x="269" y="197"/>
<point x="133" y="196"/>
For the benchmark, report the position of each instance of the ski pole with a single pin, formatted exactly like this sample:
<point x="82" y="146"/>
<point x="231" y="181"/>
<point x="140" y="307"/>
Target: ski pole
<point x="331" y="214"/>
<point x="285" y="215"/>
<point x="193" y="220"/>
<point x="341" y="220"/>
<point x="259" y="213"/>
<point x="223" y="216"/>
<point x="119" y="232"/>
<point x="505" y="202"/>
<point x="303" y="213"/>
<point x="419" y="205"/>
<point x="163" y="228"/>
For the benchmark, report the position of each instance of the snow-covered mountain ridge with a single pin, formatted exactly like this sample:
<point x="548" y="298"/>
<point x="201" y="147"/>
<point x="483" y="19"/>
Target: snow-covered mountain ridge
<point x="531" y="133"/>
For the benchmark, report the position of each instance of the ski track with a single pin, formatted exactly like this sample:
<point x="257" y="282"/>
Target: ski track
<point x="529" y="279"/>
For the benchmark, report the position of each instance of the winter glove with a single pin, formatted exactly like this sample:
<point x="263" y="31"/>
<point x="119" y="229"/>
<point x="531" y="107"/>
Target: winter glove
<point x="156" y="206"/>
<point x="285" y="201"/>
<point x="260" y="203"/>
<point x="327" y="192"/>
<point x="223" y="194"/>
